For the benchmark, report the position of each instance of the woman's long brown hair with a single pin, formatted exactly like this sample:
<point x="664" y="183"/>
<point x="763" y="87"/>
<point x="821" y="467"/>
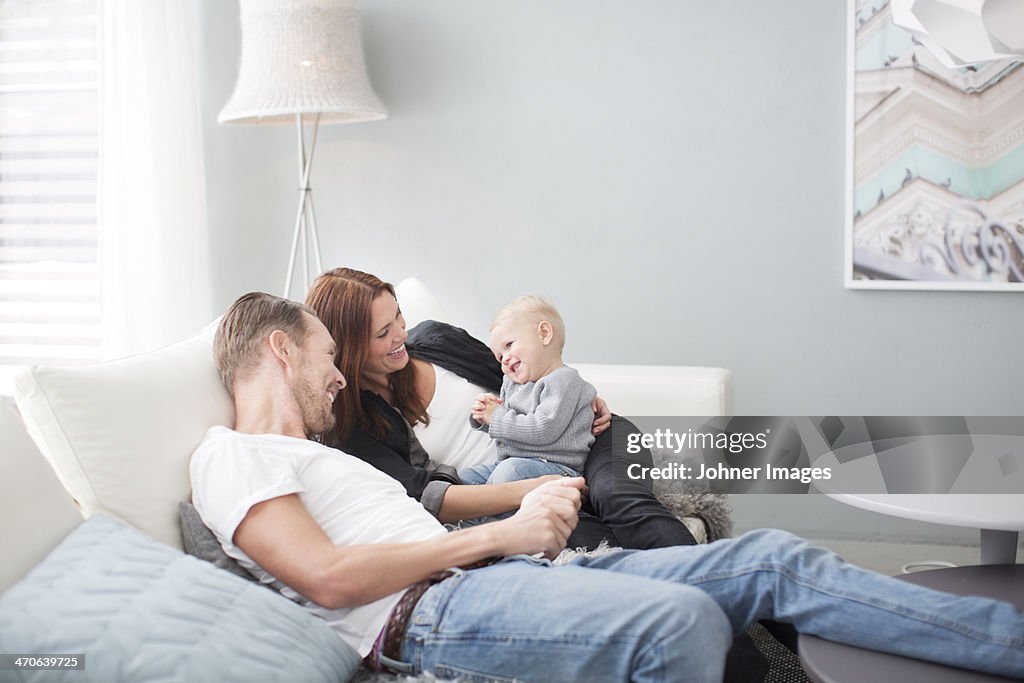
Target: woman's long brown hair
<point x="342" y="299"/>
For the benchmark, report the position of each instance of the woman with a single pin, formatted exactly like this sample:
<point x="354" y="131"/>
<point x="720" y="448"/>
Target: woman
<point x="403" y="394"/>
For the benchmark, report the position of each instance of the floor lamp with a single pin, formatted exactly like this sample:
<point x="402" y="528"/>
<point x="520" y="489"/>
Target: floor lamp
<point x="302" y="64"/>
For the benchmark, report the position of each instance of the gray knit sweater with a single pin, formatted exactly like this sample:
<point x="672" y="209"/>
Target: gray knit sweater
<point x="549" y="419"/>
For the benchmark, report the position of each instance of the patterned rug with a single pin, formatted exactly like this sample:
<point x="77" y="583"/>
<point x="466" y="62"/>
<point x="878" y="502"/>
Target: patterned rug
<point x="784" y="664"/>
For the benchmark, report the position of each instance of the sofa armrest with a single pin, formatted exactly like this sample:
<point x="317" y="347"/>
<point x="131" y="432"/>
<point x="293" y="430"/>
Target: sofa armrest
<point x="35" y="510"/>
<point x="661" y="390"/>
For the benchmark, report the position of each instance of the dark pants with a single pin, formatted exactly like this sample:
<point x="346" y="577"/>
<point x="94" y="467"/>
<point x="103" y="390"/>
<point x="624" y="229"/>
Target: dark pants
<point x="621" y="511"/>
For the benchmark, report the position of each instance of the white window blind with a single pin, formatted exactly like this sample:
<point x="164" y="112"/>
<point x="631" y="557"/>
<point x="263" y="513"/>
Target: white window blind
<point x="49" y="275"/>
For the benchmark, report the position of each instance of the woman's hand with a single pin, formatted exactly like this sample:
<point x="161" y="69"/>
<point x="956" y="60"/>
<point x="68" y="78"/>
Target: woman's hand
<point x="602" y="416"/>
<point x="524" y="486"/>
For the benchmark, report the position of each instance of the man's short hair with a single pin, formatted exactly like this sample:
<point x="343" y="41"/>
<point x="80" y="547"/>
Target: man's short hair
<point x="535" y="309"/>
<point x="246" y="325"/>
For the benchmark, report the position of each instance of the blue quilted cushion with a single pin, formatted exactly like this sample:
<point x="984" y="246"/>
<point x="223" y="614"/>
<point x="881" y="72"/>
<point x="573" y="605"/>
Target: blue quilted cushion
<point x="143" y="611"/>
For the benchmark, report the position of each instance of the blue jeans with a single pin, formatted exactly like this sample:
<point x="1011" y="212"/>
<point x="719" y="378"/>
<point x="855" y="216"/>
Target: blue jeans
<point x="669" y="614"/>
<point x="513" y="469"/>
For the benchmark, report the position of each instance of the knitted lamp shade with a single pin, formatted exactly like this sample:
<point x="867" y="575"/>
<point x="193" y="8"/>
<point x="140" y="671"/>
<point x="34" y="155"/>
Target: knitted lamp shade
<point x="301" y="57"/>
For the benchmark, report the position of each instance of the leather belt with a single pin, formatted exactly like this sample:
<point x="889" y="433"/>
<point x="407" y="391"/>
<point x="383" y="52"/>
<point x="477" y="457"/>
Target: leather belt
<point x="389" y="642"/>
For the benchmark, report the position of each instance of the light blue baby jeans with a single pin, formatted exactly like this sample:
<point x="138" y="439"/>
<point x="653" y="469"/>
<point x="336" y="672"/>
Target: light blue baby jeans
<point x="513" y="469"/>
<point x="510" y="469"/>
<point x="669" y="614"/>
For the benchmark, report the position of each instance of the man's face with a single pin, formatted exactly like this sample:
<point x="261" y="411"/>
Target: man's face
<point x="318" y="380"/>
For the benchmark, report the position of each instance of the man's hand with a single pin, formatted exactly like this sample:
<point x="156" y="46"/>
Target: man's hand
<point x="602" y="416"/>
<point x="544" y="520"/>
<point x="483" y="408"/>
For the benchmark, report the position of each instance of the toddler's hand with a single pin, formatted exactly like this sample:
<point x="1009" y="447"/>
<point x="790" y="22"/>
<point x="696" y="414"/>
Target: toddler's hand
<point x="487" y="399"/>
<point x="483" y="408"/>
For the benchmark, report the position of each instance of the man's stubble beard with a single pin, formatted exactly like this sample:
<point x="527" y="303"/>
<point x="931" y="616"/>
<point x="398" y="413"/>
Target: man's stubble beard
<point x="317" y="411"/>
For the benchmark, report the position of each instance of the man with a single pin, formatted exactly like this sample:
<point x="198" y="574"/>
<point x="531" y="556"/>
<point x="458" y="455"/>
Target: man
<point x="347" y="542"/>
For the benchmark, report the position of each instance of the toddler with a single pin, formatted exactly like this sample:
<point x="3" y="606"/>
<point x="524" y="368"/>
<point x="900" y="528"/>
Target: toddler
<point x="541" y="422"/>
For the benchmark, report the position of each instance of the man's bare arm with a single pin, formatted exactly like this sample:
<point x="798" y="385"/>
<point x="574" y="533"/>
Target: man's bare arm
<point x="468" y="501"/>
<point x="280" y="536"/>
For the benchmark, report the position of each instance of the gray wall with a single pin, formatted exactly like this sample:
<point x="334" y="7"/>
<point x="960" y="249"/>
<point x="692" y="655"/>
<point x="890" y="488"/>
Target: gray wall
<point x="670" y="172"/>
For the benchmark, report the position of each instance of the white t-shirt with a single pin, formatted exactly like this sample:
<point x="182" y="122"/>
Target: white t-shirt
<point x="450" y="439"/>
<point x="352" y="501"/>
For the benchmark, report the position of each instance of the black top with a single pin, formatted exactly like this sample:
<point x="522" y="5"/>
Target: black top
<point x="457" y="351"/>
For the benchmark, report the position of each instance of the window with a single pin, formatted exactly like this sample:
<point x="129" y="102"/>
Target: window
<point x="49" y="272"/>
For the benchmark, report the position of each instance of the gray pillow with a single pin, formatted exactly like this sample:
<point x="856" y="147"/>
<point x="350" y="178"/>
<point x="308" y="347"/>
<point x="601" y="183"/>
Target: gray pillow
<point x="142" y="611"/>
<point x="200" y="542"/>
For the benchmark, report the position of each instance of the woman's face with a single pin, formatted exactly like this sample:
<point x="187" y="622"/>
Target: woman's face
<point x="387" y="337"/>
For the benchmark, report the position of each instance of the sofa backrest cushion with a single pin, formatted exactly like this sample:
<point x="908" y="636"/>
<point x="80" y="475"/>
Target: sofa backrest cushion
<point x="655" y="390"/>
<point x="141" y="611"/>
<point x="120" y="434"/>
<point x="35" y="511"/>
<point x="630" y="390"/>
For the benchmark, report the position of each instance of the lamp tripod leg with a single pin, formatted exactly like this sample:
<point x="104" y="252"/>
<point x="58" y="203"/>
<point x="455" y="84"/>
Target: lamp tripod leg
<point x="305" y="217"/>
<point x="314" y="238"/>
<point x="299" y="229"/>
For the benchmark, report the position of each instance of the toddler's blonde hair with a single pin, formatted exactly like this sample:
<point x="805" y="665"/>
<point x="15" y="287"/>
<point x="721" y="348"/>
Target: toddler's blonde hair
<point x="536" y="309"/>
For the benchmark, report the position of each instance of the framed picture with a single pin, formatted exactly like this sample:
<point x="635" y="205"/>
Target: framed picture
<point x="935" y="163"/>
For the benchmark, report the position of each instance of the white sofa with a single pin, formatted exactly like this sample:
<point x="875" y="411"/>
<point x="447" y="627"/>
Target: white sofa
<point x="115" y="438"/>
